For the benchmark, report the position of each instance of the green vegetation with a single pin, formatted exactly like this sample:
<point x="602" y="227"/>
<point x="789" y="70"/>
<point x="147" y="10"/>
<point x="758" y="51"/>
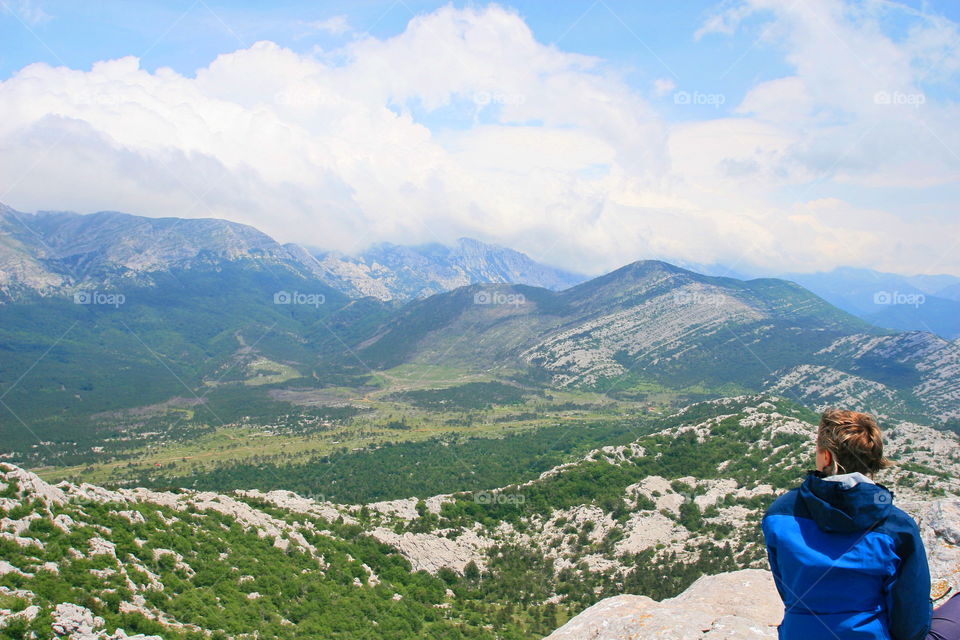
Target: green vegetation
<point x="512" y="594"/>
<point x="726" y="453"/>
<point x="209" y="566"/>
<point x="473" y="395"/>
<point x="86" y="364"/>
<point x="438" y="465"/>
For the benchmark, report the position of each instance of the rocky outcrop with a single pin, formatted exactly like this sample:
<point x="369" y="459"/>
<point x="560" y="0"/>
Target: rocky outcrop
<point x="940" y="528"/>
<point x="742" y="605"/>
<point x="73" y="622"/>
<point x="935" y="360"/>
<point x="433" y="551"/>
<point x="581" y="544"/>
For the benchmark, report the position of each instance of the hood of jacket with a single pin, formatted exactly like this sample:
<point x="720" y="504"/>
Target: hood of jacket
<point x="845" y="504"/>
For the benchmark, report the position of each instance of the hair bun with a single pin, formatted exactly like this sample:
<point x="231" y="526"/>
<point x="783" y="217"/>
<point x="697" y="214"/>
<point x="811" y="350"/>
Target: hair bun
<point x="854" y="440"/>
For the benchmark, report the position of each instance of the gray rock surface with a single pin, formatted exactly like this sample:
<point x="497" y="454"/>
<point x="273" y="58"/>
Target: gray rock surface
<point x="741" y="605"/>
<point x="73" y="622"/>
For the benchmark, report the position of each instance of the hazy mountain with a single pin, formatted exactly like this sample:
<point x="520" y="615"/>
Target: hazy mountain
<point x="924" y="303"/>
<point x="52" y="250"/>
<point x="395" y="272"/>
<point x="49" y="250"/>
<point x="951" y="292"/>
<point x="20" y="250"/>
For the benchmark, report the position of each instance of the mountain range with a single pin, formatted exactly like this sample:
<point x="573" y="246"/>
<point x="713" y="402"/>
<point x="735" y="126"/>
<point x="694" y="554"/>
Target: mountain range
<point x="52" y="251"/>
<point x="396" y="272"/>
<point x="49" y="251"/>
<point x="924" y="302"/>
<point x="108" y="311"/>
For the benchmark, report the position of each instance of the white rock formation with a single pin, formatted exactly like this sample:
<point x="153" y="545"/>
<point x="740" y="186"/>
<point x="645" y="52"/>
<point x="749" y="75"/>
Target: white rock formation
<point x="742" y="605"/>
<point x="74" y="622"/>
<point x="431" y="552"/>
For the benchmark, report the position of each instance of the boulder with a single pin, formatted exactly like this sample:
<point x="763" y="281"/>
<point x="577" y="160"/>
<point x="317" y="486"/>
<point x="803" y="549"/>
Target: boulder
<point x="741" y="605"/>
<point x="73" y="622"/>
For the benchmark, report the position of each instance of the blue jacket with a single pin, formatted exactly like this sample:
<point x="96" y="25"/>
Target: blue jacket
<point x="848" y="564"/>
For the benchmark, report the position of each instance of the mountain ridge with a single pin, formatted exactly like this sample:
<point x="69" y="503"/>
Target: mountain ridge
<point x="217" y="312"/>
<point x="63" y="248"/>
<point x="921" y="302"/>
<point x="396" y="272"/>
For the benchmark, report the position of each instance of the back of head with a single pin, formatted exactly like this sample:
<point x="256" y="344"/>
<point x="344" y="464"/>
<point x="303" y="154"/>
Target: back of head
<point x="854" y="441"/>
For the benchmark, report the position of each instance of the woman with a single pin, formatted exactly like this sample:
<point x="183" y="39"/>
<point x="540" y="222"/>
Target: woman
<point x="847" y="563"/>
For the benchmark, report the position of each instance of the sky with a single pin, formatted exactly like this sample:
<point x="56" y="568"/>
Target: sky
<point x="769" y="136"/>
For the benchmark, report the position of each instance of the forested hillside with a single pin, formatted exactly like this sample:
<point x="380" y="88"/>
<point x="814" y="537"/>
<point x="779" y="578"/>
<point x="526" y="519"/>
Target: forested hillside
<point x="648" y="516"/>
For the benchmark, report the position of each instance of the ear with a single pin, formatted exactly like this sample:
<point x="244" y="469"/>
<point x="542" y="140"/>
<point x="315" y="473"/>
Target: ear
<point x="826" y="456"/>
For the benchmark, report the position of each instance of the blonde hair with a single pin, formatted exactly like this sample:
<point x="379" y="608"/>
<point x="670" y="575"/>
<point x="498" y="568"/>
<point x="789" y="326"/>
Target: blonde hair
<point x="853" y="440"/>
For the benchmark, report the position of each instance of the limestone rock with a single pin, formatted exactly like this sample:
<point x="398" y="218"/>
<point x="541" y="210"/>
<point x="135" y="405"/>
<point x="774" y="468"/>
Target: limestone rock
<point x="74" y="621"/>
<point x="741" y="605"/>
<point x="31" y="484"/>
<point x="431" y="551"/>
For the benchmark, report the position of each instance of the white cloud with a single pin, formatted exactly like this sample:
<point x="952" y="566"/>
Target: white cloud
<point x="336" y="25"/>
<point x="663" y="86"/>
<point x="544" y="150"/>
<point x="855" y="107"/>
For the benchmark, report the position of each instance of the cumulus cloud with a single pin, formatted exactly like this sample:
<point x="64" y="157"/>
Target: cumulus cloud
<point x="465" y="124"/>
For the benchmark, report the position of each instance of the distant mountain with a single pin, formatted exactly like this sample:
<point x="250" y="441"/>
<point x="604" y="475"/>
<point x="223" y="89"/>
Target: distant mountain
<point x="651" y="325"/>
<point x="50" y="250"/>
<point x="107" y="311"/>
<point x="648" y="319"/>
<point x="923" y="303"/>
<point x="216" y="303"/>
<point x="950" y="292"/>
<point x="396" y="272"/>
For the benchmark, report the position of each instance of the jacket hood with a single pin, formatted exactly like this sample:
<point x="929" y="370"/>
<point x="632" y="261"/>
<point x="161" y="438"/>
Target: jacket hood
<point x="845" y="504"/>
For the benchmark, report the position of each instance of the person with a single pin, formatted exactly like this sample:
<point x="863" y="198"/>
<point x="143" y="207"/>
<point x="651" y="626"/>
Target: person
<point x="848" y="564"/>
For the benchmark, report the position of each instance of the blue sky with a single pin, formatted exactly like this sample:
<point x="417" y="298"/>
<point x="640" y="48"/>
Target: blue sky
<point x="644" y="41"/>
<point x="758" y="132"/>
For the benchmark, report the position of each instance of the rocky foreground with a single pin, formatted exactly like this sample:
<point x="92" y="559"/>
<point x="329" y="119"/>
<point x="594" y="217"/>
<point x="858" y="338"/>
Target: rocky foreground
<point x="743" y="605"/>
<point x="740" y="605"/>
<point x="83" y="562"/>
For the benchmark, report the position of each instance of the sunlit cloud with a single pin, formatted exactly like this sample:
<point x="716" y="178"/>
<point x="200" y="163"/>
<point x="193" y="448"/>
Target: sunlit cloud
<point x="466" y="124"/>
